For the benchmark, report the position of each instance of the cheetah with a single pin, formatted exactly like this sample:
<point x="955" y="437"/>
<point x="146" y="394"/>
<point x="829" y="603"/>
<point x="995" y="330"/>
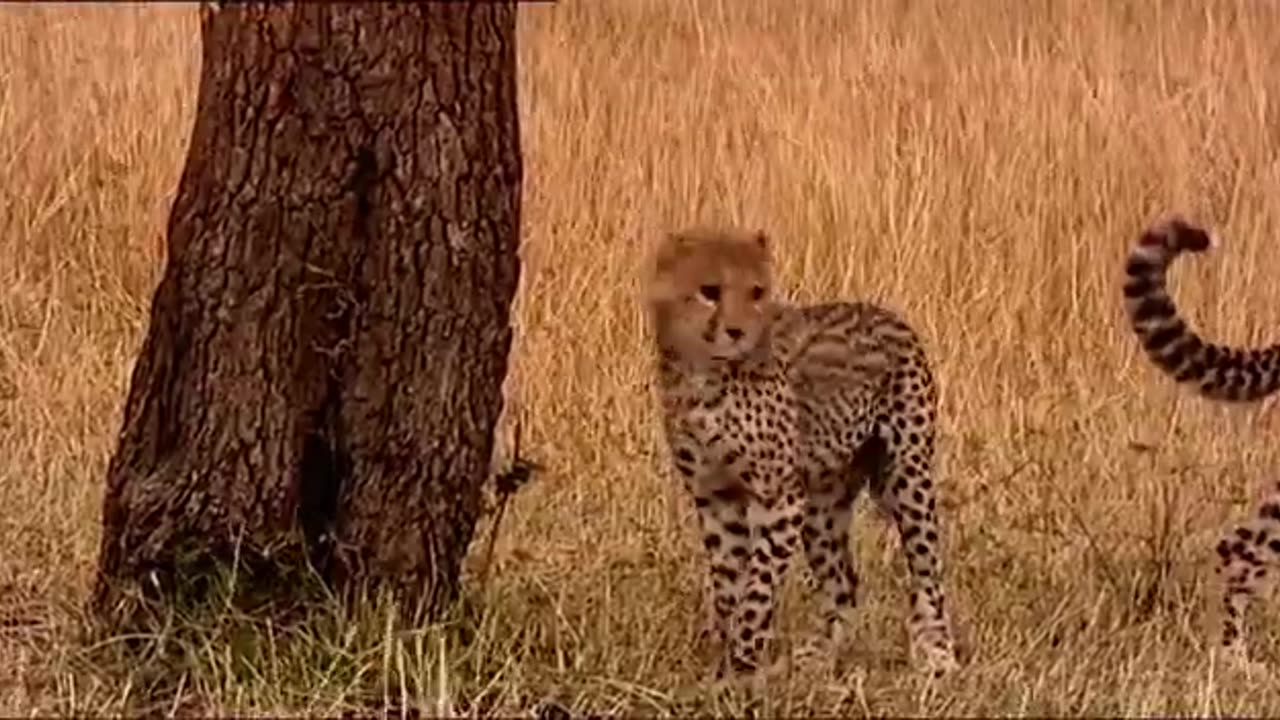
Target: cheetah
<point x="776" y="417"/>
<point x="1248" y="550"/>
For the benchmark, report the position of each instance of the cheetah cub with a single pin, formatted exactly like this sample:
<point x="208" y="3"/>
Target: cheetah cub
<point x="777" y="417"/>
<point x="1217" y="372"/>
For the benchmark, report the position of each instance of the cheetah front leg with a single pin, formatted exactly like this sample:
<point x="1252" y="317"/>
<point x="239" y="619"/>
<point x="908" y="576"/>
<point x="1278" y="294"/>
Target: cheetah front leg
<point x="906" y="492"/>
<point x="1246" y="555"/>
<point x="749" y="514"/>
<point x="775" y="516"/>
<point x="726" y="540"/>
<point x="711" y="629"/>
<point x="771" y="534"/>
<point x="720" y="502"/>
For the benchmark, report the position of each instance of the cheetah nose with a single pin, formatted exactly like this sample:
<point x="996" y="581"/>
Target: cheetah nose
<point x="733" y="333"/>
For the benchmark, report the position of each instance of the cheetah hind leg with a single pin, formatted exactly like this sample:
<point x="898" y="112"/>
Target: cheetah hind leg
<point x="1246" y="556"/>
<point x="907" y="494"/>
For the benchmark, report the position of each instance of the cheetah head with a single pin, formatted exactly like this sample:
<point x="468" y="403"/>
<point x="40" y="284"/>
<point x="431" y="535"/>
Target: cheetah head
<point x="710" y="295"/>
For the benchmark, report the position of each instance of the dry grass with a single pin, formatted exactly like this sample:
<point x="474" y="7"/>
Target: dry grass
<point x="981" y="166"/>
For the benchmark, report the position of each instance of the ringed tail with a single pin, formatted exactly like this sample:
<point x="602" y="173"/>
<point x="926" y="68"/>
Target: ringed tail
<point x="1218" y="372"/>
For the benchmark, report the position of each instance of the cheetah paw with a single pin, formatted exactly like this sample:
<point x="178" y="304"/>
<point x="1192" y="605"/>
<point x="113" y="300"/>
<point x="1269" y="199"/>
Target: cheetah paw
<point x="1237" y="658"/>
<point x="817" y="649"/>
<point x="709" y="633"/>
<point x="811" y="649"/>
<point x="938" y="661"/>
<point x="724" y="678"/>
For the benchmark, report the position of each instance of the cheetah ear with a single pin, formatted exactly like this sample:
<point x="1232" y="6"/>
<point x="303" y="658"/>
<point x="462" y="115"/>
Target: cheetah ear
<point x="677" y="240"/>
<point x="762" y="239"/>
<point x="671" y="247"/>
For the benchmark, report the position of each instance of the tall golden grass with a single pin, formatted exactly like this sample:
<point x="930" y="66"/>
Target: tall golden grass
<point x="981" y="166"/>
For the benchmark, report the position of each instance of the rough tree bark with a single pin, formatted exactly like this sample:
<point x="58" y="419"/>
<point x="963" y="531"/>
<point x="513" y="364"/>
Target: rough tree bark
<point x="323" y="366"/>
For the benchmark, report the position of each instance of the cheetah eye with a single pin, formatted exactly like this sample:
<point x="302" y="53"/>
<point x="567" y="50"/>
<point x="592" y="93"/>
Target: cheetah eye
<point x="710" y="292"/>
<point x="757" y="292"/>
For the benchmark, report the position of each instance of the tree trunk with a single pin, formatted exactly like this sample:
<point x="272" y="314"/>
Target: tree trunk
<point x="323" y="368"/>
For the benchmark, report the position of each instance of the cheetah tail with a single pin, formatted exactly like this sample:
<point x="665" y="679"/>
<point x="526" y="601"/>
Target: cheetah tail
<point x="1216" y="371"/>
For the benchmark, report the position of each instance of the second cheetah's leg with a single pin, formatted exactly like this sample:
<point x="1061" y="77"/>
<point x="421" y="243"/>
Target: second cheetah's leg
<point x="826" y="541"/>
<point x="907" y="494"/>
<point x="1246" y="555"/>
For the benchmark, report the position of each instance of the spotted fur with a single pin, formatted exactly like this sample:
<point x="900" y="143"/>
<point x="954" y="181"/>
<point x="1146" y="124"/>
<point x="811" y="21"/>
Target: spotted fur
<point x="1251" y="549"/>
<point x="777" y="417"/>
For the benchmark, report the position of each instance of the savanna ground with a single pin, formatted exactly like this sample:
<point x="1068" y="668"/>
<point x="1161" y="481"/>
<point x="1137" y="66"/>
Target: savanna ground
<point x="981" y="166"/>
